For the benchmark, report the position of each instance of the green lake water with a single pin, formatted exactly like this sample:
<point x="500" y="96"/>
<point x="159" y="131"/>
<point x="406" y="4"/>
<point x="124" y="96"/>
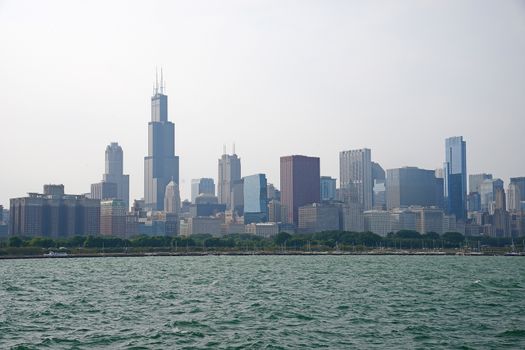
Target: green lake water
<point x="263" y="302"/>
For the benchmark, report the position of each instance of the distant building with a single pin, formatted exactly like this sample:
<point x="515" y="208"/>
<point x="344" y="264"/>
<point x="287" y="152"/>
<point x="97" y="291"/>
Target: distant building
<point x="114" y="166"/>
<point x="161" y="165"/>
<point x="232" y="228"/>
<point x="202" y="186"/>
<point x="54" y="190"/>
<point x="410" y="186"/>
<point x="206" y="209"/>
<point x="474" y="202"/>
<point x="455" y="170"/>
<point x="379" y="195"/>
<point x="54" y="215"/>
<point x="353" y="219"/>
<point x="237" y="197"/>
<point x="273" y="193"/>
<point x="328" y="188"/>
<point x="356" y="174"/>
<point x="487" y="191"/>
<point x="520" y="183"/>
<point x="475" y="181"/>
<point x="274" y="211"/>
<point x="266" y="229"/>
<point x="514" y="197"/>
<point x="229" y="172"/>
<point x="300" y="184"/>
<point x="255" y="199"/>
<point x="113" y="217"/>
<point x="318" y="218"/>
<point x="403" y="219"/>
<point x="104" y="190"/>
<point x="172" y="198"/>
<point x="378" y="222"/>
<point x="202" y="225"/>
<point x="429" y="220"/>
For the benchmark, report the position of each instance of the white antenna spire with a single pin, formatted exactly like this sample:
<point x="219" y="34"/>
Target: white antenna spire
<point x="233" y="148"/>
<point x="156" y="80"/>
<point x="224" y="149"/>
<point x="161" y="82"/>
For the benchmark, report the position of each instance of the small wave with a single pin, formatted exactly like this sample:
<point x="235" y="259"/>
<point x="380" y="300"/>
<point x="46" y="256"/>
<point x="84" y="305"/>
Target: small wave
<point x="514" y="333"/>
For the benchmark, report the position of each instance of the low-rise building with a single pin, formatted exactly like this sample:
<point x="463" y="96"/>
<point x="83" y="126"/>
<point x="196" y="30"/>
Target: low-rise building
<point x="318" y="218"/>
<point x="263" y="229"/>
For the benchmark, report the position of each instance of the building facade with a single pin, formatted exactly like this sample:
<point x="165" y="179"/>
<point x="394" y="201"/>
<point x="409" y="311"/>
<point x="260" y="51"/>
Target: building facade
<point x="300" y="184"/>
<point x="54" y="215"/>
<point x="202" y="185"/>
<point x="104" y="190"/>
<point x="410" y="186"/>
<point x="113" y="217"/>
<point x="455" y="171"/>
<point x="114" y="172"/>
<point x="229" y="173"/>
<point x="172" y="198"/>
<point x="161" y="165"/>
<point x="328" y="188"/>
<point x="355" y="169"/>
<point x="352" y="217"/>
<point x="318" y="218"/>
<point x="255" y="199"/>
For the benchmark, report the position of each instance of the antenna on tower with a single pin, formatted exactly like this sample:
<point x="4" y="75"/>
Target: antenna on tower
<point x="233" y="148"/>
<point x="156" y="80"/>
<point x="224" y="149"/>
<point x="161" y="82"/>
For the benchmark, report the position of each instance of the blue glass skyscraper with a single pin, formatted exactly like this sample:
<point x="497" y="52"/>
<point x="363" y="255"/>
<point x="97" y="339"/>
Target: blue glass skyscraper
<point x="255" y="199"/>
<point x="455" y="174"/>
<point x="160" y="165"/>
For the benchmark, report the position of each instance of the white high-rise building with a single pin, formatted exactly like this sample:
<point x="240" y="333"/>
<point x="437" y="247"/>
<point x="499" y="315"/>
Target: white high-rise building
<point x="355" y="168"/>
<point x="172" y="198"/>
<point x="513" y="197"/>
<point x="229" y="172"/>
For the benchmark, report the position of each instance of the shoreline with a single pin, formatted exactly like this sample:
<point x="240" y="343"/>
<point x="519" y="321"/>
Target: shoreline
<point x="256" y="253"/>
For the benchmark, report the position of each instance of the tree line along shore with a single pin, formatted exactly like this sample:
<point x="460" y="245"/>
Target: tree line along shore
<point x="328" y="241"/>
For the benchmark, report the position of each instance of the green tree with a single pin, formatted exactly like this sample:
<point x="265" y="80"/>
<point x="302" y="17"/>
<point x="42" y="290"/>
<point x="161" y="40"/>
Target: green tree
<point x="453" y="237"/>
<point x="15" y="242"/>
<point x="282" y="237"/>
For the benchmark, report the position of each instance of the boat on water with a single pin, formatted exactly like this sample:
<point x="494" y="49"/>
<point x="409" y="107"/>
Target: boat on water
<point x="53" y="254"/>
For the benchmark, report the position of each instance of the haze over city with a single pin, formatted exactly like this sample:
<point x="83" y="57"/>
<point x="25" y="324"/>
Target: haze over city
<point x="276" y="78"/>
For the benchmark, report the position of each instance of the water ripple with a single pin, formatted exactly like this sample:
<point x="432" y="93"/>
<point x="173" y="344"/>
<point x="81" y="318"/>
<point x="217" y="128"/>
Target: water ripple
<point x="263" y="302"/>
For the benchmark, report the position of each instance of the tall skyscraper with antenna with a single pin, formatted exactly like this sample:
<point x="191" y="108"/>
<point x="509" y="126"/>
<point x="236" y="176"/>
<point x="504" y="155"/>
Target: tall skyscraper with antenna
<point x="161" y="165"/>
<point x="229" y="173"/>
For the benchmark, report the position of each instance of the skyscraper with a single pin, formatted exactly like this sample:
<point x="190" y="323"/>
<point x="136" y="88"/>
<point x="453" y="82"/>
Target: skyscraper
<point x="203" y="185"/>
<point x="355" y="168"/>
<point x="229" y="172"/>
<point x="255" y="199"/>
<point x="172" y="198"/>
<point x="514" y="196"/>
<point x="114" y="166"/>
<point x="410" y="186"/>
<point x="487" y="191"/>
<point x="455" y="171"/>
<point x="328" y="188"/>
<point x="300" y="184"/>
<point x="520" y="183"/>
<point x="161" y="165"/>
<point x="475" y="181"/>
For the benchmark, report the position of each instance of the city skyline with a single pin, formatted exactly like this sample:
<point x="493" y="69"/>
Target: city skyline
<point x="219" y="102"/>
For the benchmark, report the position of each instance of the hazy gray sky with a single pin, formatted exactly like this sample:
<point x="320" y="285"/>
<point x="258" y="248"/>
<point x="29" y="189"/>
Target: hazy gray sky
<point x="275" y="77"/>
